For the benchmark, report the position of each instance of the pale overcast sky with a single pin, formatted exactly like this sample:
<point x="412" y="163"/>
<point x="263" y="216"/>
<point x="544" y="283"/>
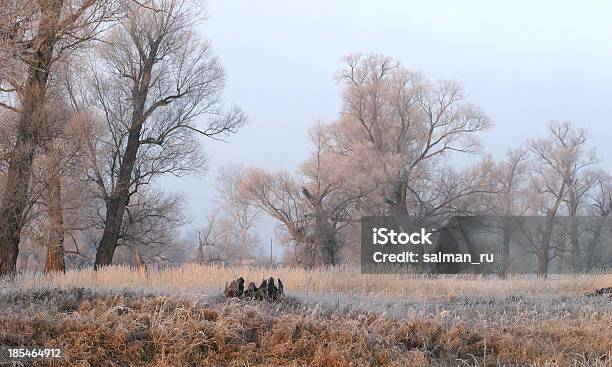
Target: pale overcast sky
<point x="524" y="62"/>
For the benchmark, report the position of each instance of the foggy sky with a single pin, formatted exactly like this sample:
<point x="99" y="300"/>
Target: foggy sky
<point x="524" y="63"/>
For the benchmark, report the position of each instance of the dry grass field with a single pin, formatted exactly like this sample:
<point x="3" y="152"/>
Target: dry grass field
<point x="330" y="317"/>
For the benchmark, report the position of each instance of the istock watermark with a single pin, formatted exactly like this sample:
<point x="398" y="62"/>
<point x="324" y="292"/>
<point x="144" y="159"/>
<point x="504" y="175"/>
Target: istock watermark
<point x="383" y="236"/>
<point x="484" y="245"/>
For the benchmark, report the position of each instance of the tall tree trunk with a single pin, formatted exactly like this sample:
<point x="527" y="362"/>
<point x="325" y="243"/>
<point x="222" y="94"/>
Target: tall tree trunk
<point x="325" y="245"/>
<point x="324" y="240"/>
<point x="120" y="196"/>
<point x="547" y="236"/>
<point x="115" y="205"/>
<point x="15" y="194"/>
<point x="55" y="241"/>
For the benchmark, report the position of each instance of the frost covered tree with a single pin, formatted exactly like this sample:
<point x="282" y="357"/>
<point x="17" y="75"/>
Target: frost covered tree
<point x="559" y="166"/>
<point x="398" y="129"/>
<point x="35" y="36"/>
<point x="173" y="85"/>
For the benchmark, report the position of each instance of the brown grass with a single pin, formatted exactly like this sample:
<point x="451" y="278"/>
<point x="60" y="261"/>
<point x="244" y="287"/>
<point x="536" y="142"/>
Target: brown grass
<point x="402" y="322"/>
<point x="201" y="279"/>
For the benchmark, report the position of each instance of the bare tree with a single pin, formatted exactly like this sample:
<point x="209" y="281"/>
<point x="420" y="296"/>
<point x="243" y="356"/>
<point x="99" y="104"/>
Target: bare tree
<point x="208" y="238"/>
<point x="33" y="37"/>
<point x="331" y="197"/>
<point x="398" y="128"/>
<point x="279" y="195"/>
<point x="55" y="238"/>
<point x="228" y="237"/>
<point x="313" y="208"/>
<point x="559" y="159"/>
<point x="170" y="80"/>
<point x="581" y="180"/>
<point x="61" y="158"/>
<point x="57" y="198"/>
<point x="229" y="234"/>
<point x="511" y="175"/>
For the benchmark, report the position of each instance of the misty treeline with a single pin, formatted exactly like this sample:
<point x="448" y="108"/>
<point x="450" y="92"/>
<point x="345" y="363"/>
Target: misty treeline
<point x="100" y="98"/>
<point x="400" y="147"/>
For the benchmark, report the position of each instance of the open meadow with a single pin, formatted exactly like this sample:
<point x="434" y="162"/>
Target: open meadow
<point x="328" y="317"/>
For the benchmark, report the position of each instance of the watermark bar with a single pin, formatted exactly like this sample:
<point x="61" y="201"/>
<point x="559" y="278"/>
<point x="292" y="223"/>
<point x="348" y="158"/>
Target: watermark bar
<point x="485" y="245"/>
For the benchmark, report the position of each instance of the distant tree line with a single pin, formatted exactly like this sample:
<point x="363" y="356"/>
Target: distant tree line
<point x="390" y="152"/>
